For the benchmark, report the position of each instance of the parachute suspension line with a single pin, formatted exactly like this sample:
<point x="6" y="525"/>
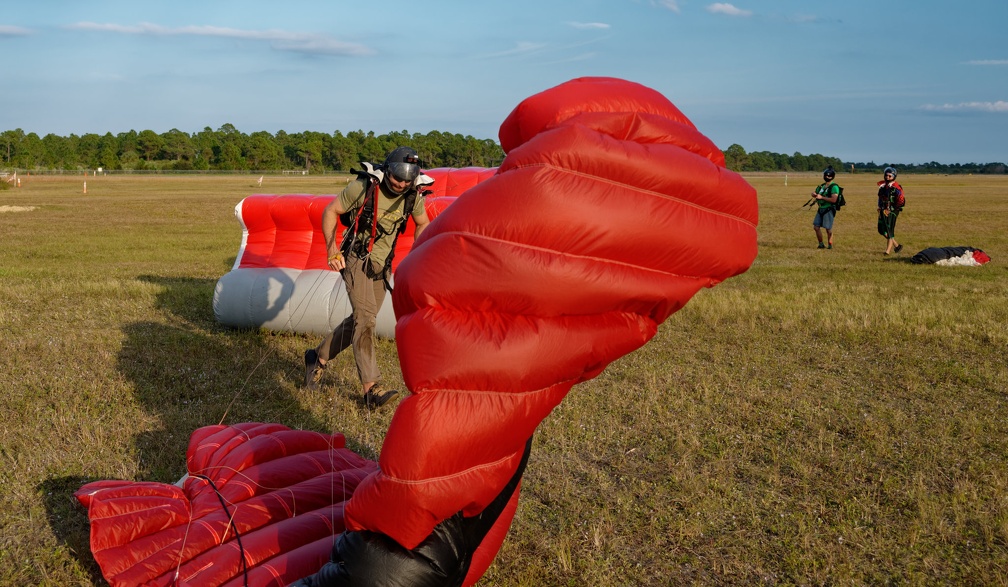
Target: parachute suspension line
<point x="352" y="235"/>
<point x="375" y="190"/>
<point x="185" y="538"/>
<point x="319" y="277"/>
<point x="230" y="516"/>
<point x="374" y="216"/>
<point x="241" y="390"/>
<point x="289" y="325"/>
<point x="270" y="352"/>
<point x="372" y="187"/>
<point x="332" y="486"/>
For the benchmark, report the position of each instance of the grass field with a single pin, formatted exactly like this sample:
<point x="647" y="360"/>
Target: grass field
<point x="830" y="417"/>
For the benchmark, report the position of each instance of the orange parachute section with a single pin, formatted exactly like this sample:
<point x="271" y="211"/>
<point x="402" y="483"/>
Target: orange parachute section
<point x="608" y="214"/>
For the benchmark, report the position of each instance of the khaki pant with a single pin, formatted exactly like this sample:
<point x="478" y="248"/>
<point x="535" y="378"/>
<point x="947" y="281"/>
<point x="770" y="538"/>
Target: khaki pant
<point x="357" y="330"/>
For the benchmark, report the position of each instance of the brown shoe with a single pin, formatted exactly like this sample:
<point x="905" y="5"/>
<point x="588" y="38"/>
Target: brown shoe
<point x="378" y="396"/>
<point x="313" y="370"/>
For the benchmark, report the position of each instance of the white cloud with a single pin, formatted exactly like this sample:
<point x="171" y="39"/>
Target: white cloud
<point x="13" y="31"/>
<point x="727" y="9"/>
<point x="280" y="40"/>
<point x="520" y="48"/>
<point x="672" y="5"/>
<point x="988" y="62"/>
<point x="573" y="58"/>
<point x="588" y="25"/>
<point x="998" y="106"/>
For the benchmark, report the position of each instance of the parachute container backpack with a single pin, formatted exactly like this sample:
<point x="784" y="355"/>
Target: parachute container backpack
<point x="525" y="286"/>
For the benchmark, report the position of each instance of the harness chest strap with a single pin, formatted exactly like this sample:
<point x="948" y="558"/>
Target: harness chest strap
<point x="371" y="202"/>
<point x="373" y="193"/>
<point x="369" y="196"/>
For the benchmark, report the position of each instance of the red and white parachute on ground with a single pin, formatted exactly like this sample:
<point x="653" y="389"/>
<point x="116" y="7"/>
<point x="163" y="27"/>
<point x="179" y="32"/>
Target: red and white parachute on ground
<point x="280" y="280"/>
<point x="608" y="214"/>
<point x="961" y="256"/>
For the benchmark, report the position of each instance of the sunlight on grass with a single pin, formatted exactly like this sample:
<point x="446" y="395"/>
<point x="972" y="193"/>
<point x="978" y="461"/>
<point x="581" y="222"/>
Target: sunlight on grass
<point x="829" y="417"/>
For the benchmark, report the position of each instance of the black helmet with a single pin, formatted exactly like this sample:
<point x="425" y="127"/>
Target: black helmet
<point x="829" y="174"/>
<point x="889" y="170"/>
<point x="403" y="163"/>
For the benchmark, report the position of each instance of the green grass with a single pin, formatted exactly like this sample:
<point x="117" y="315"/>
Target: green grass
<point x="829" y="417"/>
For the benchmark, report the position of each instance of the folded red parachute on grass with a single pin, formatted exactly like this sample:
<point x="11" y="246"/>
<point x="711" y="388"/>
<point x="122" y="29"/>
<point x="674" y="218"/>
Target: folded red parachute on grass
<point x="260" y="505"/>
<point x="608" y="214"/>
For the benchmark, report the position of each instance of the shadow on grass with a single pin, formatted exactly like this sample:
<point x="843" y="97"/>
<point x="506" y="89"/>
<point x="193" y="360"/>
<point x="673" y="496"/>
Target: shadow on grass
<point x="69" y="521"/>
<point x="187" y="373"/>
<point x="188" y="298"/>
<point x="195" y="373"/>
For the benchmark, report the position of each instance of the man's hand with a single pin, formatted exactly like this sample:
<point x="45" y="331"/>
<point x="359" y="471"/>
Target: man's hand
<point x="336" y="260"/>
<point x="330" y="222"/>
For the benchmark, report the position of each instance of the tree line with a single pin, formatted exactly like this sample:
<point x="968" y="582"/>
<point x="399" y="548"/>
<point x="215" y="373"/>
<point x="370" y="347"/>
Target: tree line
<point x="228" y="149"/>
<point x="737" y="159"/>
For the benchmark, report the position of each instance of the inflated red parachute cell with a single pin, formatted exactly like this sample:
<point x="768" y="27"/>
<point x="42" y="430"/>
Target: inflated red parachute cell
<point x="449" y="184"/>
<point x="261" y="505"/>
<point x="280" y="280"/>
<point x="608" y="214"/>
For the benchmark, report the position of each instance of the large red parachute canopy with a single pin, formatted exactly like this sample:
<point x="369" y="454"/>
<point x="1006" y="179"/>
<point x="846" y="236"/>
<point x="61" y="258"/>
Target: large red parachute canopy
<point x="608" y="214"/>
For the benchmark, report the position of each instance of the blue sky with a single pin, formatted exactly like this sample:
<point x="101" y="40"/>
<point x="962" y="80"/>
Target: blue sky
<point x="899" y="81"/>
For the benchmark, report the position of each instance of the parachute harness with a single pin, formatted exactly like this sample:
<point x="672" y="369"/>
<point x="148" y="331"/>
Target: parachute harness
<point x="374" y="214"/>
<point x="368" y="211"/>
<point x="369" y="193"/>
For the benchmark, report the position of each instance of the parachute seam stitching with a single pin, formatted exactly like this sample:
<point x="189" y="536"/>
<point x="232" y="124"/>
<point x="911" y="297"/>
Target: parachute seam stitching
<point x="568" y="254"/>
<point x="638" y="189"/>
<point x="442" y="477"/>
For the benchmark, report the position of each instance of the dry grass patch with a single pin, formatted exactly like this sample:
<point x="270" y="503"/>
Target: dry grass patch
<point x="829" y="417"/>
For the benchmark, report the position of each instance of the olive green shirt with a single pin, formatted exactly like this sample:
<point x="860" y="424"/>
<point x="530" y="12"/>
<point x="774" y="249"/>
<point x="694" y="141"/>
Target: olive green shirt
<point x="390" y="214"/>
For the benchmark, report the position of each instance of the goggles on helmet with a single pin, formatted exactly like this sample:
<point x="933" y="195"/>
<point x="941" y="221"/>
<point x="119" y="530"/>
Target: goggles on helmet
<point x="403" y="170"/>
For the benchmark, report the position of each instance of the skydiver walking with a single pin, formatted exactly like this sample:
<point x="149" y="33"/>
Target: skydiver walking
<point x="379" y="202"/>
<point x="890" y="203"/>
<point x="826" y="195"/>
